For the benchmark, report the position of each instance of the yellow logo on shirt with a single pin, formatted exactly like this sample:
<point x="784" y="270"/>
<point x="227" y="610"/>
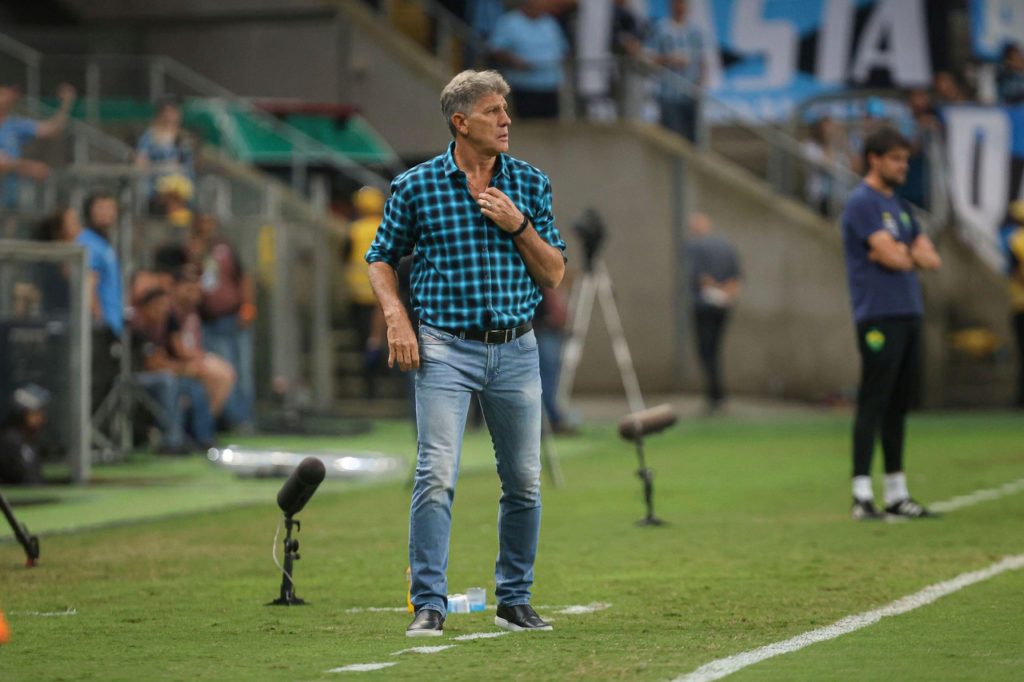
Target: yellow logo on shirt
<point x="875" y="340"/>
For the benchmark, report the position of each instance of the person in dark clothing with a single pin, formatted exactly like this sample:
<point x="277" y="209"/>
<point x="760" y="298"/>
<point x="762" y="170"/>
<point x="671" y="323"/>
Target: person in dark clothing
<point x="884" y="246"/>
<point x="20" y="460"/>
<point x="714" y="269"/>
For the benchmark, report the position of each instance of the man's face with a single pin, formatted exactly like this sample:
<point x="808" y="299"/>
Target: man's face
<point x="157" y="310"/>
<point x="486" y="127"/>
<point x="103" y="214"/>
<point x="679" y="10"/>
<point x="891" y="167"/>
<point x="8" y="98"/>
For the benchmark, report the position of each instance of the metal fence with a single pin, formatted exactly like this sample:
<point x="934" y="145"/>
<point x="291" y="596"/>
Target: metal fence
<point x="45" y="340"/>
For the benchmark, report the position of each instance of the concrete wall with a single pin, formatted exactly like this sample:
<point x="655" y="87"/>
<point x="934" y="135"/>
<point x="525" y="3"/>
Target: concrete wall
<point x="791" y="332"/>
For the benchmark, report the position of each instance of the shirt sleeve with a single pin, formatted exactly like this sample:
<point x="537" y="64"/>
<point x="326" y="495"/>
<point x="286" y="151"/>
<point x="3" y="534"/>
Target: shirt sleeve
<point x="543" y="218"/>
<point x="396" y="236"/>
<point x="862" y="219"/>
<point x="25" y="128"/>
<point x="501" y="38"/>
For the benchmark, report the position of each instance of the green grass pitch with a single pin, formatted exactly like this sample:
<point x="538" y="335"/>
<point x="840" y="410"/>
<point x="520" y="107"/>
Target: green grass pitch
<point x="758" y="548"/>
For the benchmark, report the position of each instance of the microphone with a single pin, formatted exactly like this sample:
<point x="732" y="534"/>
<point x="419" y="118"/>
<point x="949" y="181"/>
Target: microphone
<point x="646" y="422"/>
<point x="300" y="486"/>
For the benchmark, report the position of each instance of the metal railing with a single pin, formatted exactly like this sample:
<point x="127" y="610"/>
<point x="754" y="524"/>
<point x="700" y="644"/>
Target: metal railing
<point x="148" y="78"/>
<point x="45" y="335"/>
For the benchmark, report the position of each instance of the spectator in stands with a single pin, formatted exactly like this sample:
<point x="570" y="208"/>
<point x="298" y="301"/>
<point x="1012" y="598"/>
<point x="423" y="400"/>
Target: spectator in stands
<point x="15" y="131"/>
<point x="714" y="269"/>
<point x="163" y="148"/>
<point x="482" y="16"/>
<point x="214" y="372"/>
<point x="823" y="154"/>
<point x="228" y="310"/>
<point x="678" y="46"/>
<point x="172" y="381"/>
<point x="106" y="297"/>
<point x="62" y="225"/>
<point x="924" y="129"/>
<point x="20" y="458"/>
<point x="1013" y="244"/>
<point x="369" y="204"/>
<point x="628" y="30"/>
<point x="529" y="46"/>
<point x="1010" y="76"/>
<point x="949" y="88"/>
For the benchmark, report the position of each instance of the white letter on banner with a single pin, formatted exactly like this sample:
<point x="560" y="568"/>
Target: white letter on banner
<point x="902" y="26"/>
<point x="978" y="144"/>
<point x="775" y="40"/>
<point x="1002" y="22"/>
<point x="834" y="41"/>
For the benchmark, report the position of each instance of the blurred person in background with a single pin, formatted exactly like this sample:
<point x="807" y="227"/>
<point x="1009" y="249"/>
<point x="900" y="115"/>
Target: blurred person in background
<point x="54" y="286"/>
<point x="369" y="206"/>
<point x="228" y="310"/>
<point x="824" y="152"/>
<point x="164" y="149"/>
<point x="174" y="382"/>
<point x="15" y="131"/>
<point x="924" y="127"/>
<point x="1010" y="75"/>
<point x="678" y="46"/>
<point x="21" y="462"/>
<point x="1013" y="244"/>
<point x="884" y="245"/>
<point x="106" y="296"/>
<point x="948" y="88"/>
<point x="549" y="322"/>
<point x="714" y="268"/>
<point x="186" y="344"/>
<point x="528" y="46"/>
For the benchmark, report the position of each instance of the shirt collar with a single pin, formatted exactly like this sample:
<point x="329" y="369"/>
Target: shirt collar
<point x="451" y="168"/>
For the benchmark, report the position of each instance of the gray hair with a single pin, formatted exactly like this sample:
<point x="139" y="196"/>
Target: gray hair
<point x="463" y="91"/>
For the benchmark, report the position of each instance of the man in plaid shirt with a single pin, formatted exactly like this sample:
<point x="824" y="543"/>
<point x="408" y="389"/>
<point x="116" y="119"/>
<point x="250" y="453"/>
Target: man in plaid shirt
<point x="480" y="227"/>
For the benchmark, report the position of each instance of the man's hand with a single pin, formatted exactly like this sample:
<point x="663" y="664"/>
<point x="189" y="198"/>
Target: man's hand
<point x="403" y="347"/>
<point x="494" y="204"/>
<point x="35" y="170"/>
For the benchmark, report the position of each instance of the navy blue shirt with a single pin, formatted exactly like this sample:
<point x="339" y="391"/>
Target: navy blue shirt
<point x="876" y="291"/>
<point x="467" y="272"/>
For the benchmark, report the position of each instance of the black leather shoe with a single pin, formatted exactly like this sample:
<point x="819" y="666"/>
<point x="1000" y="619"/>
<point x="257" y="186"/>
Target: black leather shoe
<point x="426" y="623"/>
<point x="521" y="617"/>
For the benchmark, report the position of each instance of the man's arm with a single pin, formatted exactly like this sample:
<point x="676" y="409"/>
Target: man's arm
<point x="543" y="261"/>
<point x="889" y="253"/>
<point x="403" y="347"/>
<point x="56" y="123"/>
<point x="925" y="256"/>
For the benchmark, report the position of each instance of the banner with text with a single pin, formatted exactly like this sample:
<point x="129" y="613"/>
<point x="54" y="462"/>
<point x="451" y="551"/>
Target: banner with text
<point x="985" y="149"/>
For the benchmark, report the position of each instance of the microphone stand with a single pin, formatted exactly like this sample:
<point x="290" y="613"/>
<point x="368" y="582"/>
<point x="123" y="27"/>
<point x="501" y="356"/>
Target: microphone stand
<point x="647" y="476"/>
<point x="291" y="554"/>
<point x="29" y="542"/>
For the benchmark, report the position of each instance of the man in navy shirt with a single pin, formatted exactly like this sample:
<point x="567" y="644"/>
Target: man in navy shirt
<point x="884" y="246"/>
<point x="479" y="225"/>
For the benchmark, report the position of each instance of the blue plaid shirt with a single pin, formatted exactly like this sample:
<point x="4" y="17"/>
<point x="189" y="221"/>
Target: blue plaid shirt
<point x="467" y="273"/>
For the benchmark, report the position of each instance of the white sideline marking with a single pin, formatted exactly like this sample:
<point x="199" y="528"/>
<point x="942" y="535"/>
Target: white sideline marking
<point x="716" y="670"/>
<point x="424" y="649"/>
<point x="585" y="608"/>
<point x="48" y="614"/>
<point x="978" y="496"/>
<point x="361" y="667"/>
<point x="479" y="635"/>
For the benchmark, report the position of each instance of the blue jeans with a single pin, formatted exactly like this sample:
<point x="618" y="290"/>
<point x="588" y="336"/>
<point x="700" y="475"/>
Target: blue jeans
<point x="224" y="337"/>
<point x="507" y="379"/>
<point x="184" y="406"/>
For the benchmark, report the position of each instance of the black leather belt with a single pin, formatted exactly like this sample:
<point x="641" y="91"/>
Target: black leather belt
<point x="491" y="335"/>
